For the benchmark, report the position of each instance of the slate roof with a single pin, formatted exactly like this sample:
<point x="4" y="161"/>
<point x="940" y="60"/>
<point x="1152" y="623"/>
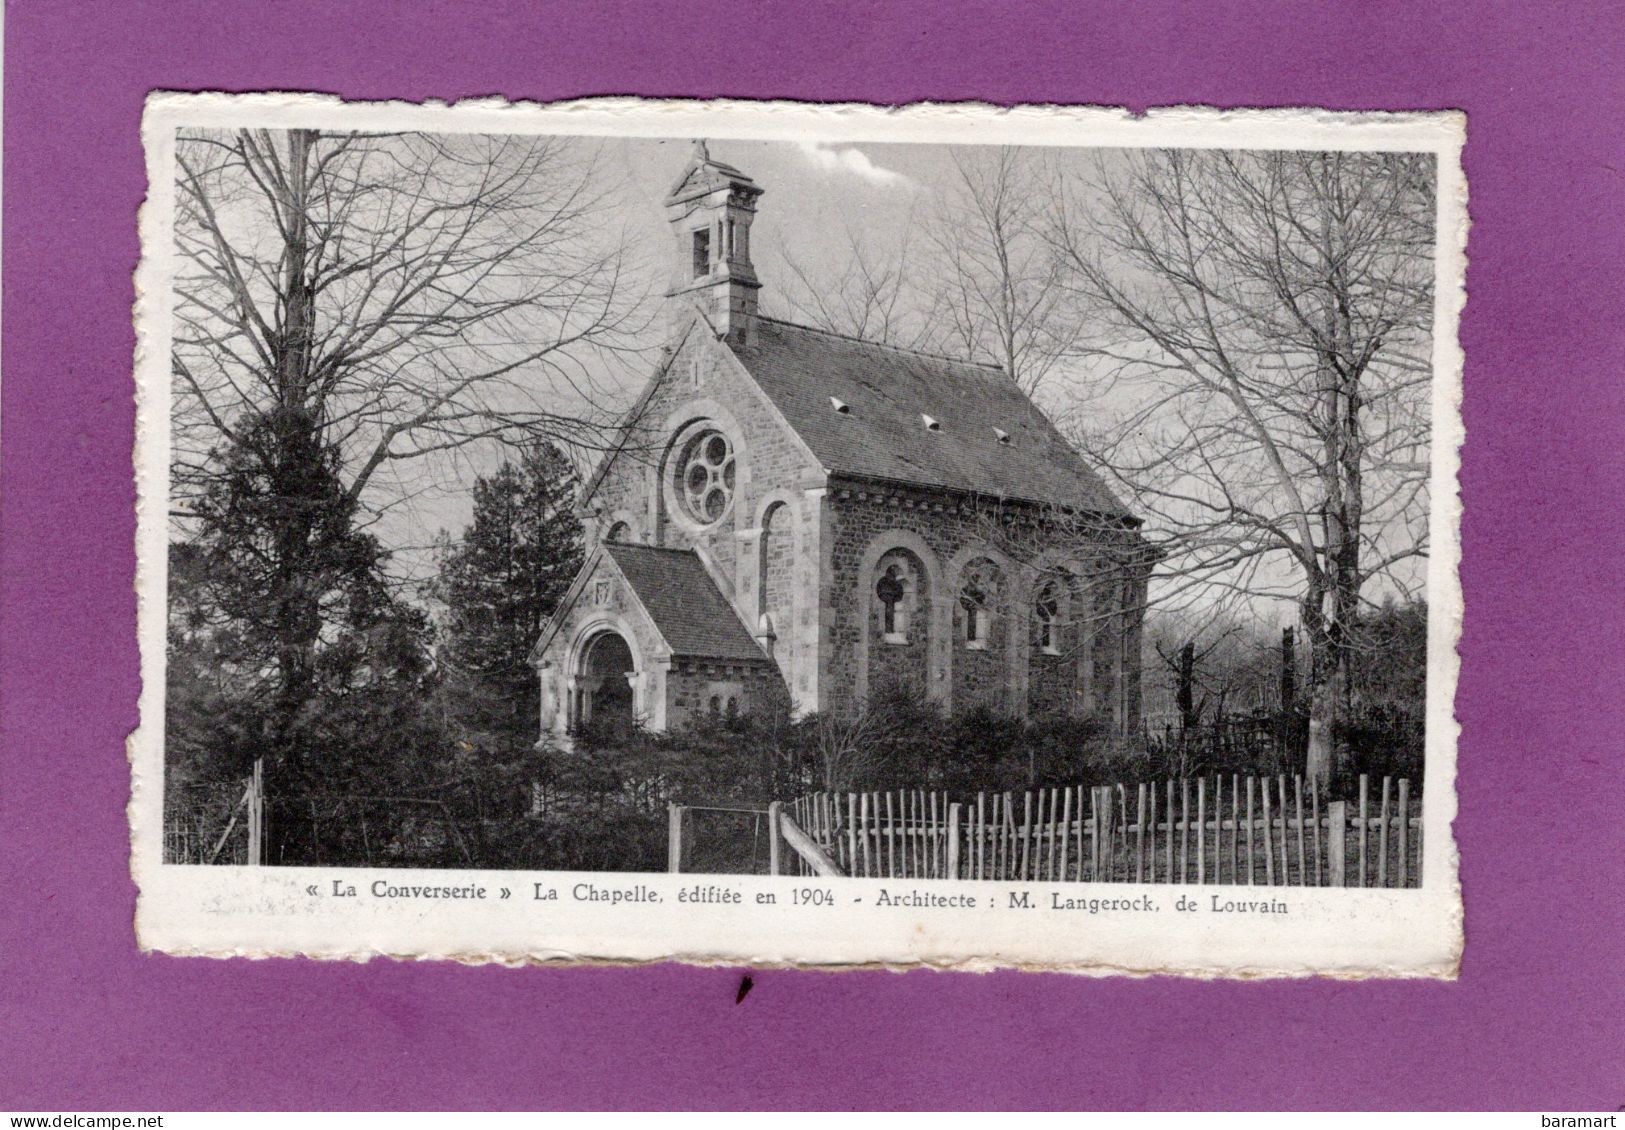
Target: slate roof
<point x="883" y="435"/>
<point x="684" y="603"/>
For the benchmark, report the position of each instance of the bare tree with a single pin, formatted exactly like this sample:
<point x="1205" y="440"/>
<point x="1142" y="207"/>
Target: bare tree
<point x="1212" y="662"/>
<point x="993" y="276"/>
<point x="983" y="286"/>
<point x="406" y="294"/>
<point x="872" y="296"/>
<point x="844" y="748"/>
<point x="1268" y="318"/>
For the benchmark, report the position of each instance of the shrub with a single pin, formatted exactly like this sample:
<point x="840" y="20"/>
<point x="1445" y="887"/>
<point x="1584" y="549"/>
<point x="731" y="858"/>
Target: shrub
<point x="1384" y="739"/>
<point x="610" y="791"/>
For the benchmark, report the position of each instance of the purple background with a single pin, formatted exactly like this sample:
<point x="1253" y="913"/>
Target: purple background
<point x="1538" y="1017"/>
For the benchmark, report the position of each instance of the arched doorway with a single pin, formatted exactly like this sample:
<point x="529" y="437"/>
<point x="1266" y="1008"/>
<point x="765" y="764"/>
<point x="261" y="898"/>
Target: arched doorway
<point x="604" y="685"/>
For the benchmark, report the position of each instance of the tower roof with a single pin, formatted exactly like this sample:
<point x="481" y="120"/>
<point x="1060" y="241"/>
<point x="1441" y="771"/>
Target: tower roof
<point x="704" y="174"/>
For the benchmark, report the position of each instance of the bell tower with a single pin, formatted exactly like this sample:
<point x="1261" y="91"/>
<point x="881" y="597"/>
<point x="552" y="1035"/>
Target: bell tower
<point x="710" y="210"/>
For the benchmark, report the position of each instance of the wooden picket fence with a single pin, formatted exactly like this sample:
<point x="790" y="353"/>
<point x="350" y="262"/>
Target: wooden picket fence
<point x="1273" y="831"/>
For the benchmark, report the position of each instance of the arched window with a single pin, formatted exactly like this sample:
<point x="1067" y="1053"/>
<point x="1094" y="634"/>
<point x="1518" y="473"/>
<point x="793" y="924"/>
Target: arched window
<point x="774" y="574"/>
<point x="896" y="595"/>
<point x="977" y="594"/>
<point x="702" y="252"/>
<point x="1048" y="612"/>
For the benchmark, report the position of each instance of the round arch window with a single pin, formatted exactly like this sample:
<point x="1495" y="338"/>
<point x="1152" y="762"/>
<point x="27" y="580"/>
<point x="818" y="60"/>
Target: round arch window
<point x="704" y="476"/>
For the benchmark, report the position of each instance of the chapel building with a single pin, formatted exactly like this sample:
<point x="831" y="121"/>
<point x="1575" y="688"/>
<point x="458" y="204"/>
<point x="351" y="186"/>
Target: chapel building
<point x="792" y="512"/>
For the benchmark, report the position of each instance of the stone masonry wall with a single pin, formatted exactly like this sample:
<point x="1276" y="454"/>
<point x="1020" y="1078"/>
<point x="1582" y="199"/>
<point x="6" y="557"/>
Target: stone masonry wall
<point x="951" y="673"/>
<point x="983" y="676"/>
<point x="696" y="689"/>
<point x="705" y="381"/>
<point x="1053" y="682"/>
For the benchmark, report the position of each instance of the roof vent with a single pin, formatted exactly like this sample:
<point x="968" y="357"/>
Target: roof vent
<point x="839" y="405"/>
<point x="1004" y="436"/>
<point x="931" y="424"/>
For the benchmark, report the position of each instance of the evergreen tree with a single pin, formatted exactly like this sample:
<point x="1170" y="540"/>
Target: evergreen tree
<point x="499" y="583"/>
<point x="285" y="641"/>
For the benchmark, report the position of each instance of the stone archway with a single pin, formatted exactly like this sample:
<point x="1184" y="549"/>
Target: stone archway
<point x="604" y="680"/>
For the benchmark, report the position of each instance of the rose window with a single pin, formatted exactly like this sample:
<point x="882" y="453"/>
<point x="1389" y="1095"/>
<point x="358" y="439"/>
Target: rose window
<point x="705" y="477"/>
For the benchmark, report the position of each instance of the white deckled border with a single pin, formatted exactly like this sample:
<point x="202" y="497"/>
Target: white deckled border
<point x="263" y="912"/>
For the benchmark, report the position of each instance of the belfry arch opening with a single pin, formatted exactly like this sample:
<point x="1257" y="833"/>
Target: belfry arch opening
<point x="604" y="681"/>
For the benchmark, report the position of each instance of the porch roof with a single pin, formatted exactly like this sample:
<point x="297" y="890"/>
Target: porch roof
<point x="689" y="611"/>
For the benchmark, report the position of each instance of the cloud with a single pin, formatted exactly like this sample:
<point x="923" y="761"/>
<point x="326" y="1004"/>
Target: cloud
<point x="849" y="159"/>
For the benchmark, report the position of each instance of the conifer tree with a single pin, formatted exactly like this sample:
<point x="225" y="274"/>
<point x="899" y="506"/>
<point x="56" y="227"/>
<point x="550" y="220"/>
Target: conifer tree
<point x="286" y="643"/>
<point x="499" y="583"/>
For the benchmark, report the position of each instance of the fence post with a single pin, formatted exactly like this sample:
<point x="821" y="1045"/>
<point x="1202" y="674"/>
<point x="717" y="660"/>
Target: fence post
<point x="852" y="834"/>
<point x="1336" y="820"/>
<point x="1404" y="831"/>
<point x="953" y="840"/>
<point x="674" y="838"/>
<point x="773" y="838"/>
<point x="1094" y="834"/>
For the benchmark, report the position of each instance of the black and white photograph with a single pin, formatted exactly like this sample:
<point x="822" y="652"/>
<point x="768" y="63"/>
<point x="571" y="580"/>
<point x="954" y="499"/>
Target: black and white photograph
<point x="933" y="525"/>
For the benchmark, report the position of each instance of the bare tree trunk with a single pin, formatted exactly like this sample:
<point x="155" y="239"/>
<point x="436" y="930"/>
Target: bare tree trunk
<point x="1324" y="659"/>
<point x="1341" y="489"/>
<point x="1185" y="694"/>
<point x="293" y="435"/>
<point x="1289" y="673"/>
<point x="1320" y="761"/>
